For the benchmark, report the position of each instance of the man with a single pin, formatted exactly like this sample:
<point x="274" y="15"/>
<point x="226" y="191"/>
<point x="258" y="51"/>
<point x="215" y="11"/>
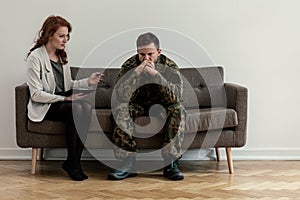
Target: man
<point x="146" y="79"/>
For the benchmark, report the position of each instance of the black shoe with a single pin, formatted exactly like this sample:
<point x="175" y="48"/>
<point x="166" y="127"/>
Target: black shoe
<point x="83" y="174"/>
<point x="74" y="174"/>
<point x="123" y="171"/>
<point x="172" y="172"/>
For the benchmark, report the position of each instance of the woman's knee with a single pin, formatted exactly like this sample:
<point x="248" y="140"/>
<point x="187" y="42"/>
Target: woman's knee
<point x="82" y="108"/>
<point x="87" y="106"/>
<point x="77" y="107"/>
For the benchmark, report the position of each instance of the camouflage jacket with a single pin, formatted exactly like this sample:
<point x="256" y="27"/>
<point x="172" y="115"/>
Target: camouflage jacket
<point x="164" y="88"/>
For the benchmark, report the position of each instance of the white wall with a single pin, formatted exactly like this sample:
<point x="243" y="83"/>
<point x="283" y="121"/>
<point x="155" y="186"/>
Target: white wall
<point x="257" y="41"/>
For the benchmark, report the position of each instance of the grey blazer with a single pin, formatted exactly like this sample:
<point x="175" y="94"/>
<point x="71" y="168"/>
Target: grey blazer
<point x="41" y="82"/>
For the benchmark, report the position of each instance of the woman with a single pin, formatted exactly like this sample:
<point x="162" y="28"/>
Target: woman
<point x="48" y="76"/>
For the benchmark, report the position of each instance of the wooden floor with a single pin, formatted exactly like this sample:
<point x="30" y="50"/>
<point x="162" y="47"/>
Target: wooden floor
<point x="203" y="180"/>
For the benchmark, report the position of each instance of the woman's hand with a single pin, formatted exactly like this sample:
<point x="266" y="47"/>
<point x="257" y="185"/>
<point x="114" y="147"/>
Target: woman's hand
<point x="95" y="78"/>
<point x="75" y="97"/>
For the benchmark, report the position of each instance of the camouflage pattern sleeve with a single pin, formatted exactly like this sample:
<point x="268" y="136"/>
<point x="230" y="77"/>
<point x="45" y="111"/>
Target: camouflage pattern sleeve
<point x="127" y="80"/>
<point x="170" y="80"/>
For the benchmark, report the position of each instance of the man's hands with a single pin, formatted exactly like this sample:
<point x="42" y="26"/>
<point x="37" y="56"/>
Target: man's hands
<point x="148" y="67"/>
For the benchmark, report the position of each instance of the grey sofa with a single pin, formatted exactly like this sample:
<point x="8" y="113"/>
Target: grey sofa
<point x="216" y="115"/>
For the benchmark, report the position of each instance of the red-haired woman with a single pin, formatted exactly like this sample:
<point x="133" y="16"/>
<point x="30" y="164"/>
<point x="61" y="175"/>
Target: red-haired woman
<point x="48" y="75"/>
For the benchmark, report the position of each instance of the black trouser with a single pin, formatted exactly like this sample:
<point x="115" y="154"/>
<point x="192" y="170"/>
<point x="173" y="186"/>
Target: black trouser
<point x="77" y="116"/>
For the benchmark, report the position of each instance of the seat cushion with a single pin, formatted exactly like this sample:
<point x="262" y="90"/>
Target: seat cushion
<point x="47" y="127"/>
<point x="210" y="119"/>
<point x="196" y="120"/>
<point x="101" y="121"/>
<point x="143" y="125"/>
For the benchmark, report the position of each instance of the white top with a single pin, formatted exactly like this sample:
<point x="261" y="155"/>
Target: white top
<point x="41" y="82"/>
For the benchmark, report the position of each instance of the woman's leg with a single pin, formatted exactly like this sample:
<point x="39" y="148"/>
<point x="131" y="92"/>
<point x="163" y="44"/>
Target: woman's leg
<point x="82" y="112"/>
<point x="77" y="116"/>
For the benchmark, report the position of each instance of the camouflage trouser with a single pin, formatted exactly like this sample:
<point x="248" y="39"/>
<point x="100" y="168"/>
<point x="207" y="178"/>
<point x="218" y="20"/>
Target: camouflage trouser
<point x="173" y="131"/>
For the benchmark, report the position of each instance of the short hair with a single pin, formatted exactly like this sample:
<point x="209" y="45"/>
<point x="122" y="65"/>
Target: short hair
<point x="147" y="38"/>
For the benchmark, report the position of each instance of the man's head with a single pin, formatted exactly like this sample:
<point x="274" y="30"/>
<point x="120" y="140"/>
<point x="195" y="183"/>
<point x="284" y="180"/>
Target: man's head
<point x="148" y="47"/>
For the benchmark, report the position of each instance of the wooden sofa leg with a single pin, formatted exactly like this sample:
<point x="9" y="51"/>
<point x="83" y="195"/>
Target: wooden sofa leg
<point x="33" y="160"/>
<point x="217" y="153"/>
<point x="40" y="153"/>
<point x="229" y="159"/>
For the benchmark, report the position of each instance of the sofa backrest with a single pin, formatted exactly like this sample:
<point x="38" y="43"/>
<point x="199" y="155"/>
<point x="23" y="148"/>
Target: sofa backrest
<point x="203" y="86"/>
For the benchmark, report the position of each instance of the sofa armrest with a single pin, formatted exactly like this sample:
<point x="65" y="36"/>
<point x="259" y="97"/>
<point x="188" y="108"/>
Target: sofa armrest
<point x="237" y="98"/>
<point x="21" y="101"/>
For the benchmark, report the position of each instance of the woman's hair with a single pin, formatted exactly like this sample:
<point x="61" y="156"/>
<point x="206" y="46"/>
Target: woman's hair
<point x="50" y="26"/>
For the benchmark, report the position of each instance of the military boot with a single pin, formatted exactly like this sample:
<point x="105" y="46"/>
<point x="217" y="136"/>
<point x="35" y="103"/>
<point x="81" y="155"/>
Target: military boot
<point x="124" y="170"/>
<point x="172" y="172"/>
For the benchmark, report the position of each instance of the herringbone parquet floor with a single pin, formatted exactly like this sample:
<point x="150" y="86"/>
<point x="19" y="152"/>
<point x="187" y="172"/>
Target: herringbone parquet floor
<point x="203" y="180"/>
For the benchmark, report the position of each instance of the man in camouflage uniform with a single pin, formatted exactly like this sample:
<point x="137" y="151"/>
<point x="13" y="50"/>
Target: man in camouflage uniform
<point x="146" y="79"/>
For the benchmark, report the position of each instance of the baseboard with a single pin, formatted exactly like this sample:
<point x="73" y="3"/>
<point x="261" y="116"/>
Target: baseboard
<point x="265" y="154"/>
<point x="202" y="154"/>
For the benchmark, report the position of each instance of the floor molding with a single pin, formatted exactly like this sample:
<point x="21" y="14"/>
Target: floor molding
<point x="204" y="154"/>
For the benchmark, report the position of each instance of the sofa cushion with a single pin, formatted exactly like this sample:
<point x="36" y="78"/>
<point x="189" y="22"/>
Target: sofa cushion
<point x="102" y="98"/>
<point x="101" y="121"/>
<point x="196" y="120"/>
<point x="203" y="87"/>
<point x="210" y="119"/>
<point x="47" y="127"/>
<point x="203" y="97"/>
<point x="143" y="124"/>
